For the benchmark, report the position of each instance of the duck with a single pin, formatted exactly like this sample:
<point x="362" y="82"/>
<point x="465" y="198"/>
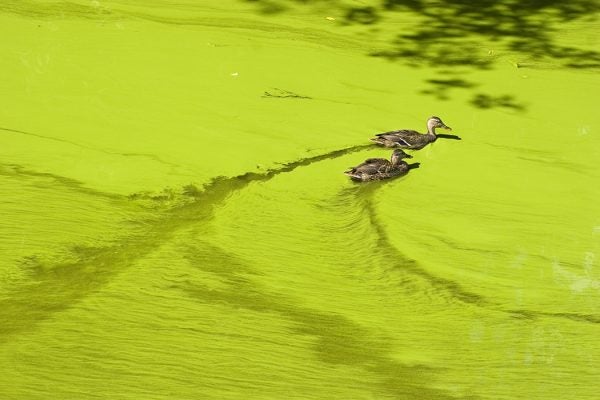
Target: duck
<point x="375" y="169"/>
<point x="409" y="139"/>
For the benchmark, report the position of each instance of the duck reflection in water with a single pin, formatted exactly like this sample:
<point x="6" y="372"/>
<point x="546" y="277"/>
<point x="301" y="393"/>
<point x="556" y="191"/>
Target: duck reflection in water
<point x="376" y="169"/>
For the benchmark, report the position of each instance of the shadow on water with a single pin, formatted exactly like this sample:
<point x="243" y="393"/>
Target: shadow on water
<point x="452" y="31"/>
<point x="451" y="37"/>
<point x="486" y="101"/>
<point x="338" y="340"/>
<point x="57" y="287"/>
<point x="447" y="136"/>
<point x="53" y="288"/>
<point x="459" y="34"/>
<point x="16" y="171"/>
<point x="415" y="165"/>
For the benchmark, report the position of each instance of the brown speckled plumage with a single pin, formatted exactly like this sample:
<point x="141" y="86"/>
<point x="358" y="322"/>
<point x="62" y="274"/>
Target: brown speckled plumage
<point x="375" y="169"/>
<point x="409" y="139"/>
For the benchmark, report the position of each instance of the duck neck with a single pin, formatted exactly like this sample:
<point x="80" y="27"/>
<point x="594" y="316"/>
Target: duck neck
<point x="431" y="130"/>
<point x="396" y="160"/>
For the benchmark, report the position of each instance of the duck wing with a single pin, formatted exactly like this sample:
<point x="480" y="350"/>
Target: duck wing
<point x="370" y="166"/>
<point x="398" y="170"/>
<point x="379" y="161"/>
<point x="398" y="133"/>
<point x="369" y="169"/>
<point x="404" y="137"/>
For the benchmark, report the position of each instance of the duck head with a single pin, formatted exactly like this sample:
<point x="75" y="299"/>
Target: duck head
<point x="398" y="155"/>
<point x="436" y="122"/>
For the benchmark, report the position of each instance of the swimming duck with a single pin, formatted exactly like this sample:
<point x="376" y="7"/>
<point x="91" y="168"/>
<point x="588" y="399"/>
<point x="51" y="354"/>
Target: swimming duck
<point x="408" y="139"/>
<point x="375" y="169"/>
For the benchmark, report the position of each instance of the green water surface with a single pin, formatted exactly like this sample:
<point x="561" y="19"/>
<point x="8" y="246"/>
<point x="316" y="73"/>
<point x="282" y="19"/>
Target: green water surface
<point x="176" y="224"/>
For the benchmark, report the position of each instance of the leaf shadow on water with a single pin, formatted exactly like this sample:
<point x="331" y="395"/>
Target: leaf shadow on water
<point x="485" y="101"/>
<point x="338" y="340"/>
<point x="441" y="87"/>
<point x="451" y="36"/>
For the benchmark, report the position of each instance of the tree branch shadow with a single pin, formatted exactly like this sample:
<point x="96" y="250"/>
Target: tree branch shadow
<point x="460" y="33"/>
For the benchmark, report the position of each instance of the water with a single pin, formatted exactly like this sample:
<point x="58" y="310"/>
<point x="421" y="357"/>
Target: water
<point x="176" y="223"/>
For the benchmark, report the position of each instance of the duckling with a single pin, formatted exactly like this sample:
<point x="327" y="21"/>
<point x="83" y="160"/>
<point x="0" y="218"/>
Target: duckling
<point x="409" y="139"/>
<point x="375" y="169"/>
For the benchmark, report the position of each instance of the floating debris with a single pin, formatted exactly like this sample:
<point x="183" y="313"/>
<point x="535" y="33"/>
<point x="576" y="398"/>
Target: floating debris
<point x="330" y="18"/>
<point x="284" y="94"/>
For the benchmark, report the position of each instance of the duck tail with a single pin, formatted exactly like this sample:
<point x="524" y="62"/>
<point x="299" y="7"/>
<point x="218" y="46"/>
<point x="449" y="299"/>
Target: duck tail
<point x="353" y="175"/>
<point x="356" y="178"/>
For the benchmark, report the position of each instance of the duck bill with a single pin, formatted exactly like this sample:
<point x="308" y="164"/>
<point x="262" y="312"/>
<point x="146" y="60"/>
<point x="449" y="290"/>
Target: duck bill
<point x="446" y="127"/>
<point x="408" y="156"/>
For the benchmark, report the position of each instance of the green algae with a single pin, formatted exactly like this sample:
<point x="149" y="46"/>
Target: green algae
<point x="177" y="224"/>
